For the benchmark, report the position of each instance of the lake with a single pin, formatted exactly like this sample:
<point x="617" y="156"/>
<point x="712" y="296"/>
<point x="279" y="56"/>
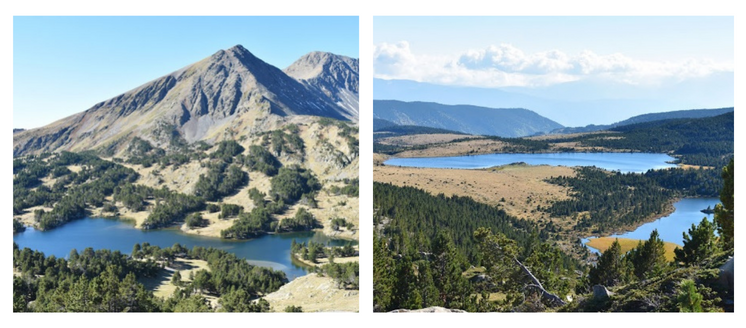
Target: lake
<point x="270" y="250"/>
<point x="671" y="227"/>
<point x="623" y="162"/>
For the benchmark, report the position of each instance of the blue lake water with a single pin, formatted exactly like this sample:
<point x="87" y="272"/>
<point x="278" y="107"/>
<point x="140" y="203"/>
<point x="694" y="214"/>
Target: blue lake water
<point x="672" y="227"/>
<point x="270" y="250"/>
<point x="623" y="162"/>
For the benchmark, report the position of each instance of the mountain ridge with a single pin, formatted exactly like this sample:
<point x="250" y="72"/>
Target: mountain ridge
<point x="503" y="122"/>
<point x="649" y="117"/>
<point x="228" y="90"/>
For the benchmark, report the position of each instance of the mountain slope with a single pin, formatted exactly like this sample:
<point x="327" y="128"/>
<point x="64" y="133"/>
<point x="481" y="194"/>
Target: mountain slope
<point x="573" y="103"/>
<point x="230" y="89"/>
<point x="503" y="122"/>
<point x="332" y="75"/>
<point x="690" y="113"/>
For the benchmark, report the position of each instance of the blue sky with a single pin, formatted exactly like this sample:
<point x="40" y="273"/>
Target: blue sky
<point x="64" y="65"/>
<point x="541" y="51"/>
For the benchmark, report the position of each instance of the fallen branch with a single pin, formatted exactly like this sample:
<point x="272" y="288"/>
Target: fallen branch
<point x="552" y="298"/>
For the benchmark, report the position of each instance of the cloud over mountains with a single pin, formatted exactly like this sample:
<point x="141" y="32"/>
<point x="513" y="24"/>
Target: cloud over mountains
<point x="506" y="65"/>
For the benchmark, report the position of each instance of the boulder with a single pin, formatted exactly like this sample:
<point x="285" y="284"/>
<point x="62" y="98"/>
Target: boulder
<point x="600" y="293"/>
<point x="727" y="275"/>
<point x="432" y="309"/>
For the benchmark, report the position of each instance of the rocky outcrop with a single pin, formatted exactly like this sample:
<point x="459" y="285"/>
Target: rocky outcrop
<point x="313" y="293"/>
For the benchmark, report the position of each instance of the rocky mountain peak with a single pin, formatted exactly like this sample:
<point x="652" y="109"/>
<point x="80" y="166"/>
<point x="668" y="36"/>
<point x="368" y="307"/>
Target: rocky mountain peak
<point x="335" y="76"/>
<point x="195" y="103"/>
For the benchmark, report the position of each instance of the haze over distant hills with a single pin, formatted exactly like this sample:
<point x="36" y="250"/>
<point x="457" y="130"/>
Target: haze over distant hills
<point x="230" y="89"/>
<point x="690" y="113"/>
<point x="577" y="103"/>
<point x="504" y="122"/>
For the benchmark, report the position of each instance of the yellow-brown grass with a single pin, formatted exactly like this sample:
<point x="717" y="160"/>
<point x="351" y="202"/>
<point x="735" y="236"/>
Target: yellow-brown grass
<point x="627" y="244"/>
<point x="522" y="187"/>
<point x="423" y="139"/>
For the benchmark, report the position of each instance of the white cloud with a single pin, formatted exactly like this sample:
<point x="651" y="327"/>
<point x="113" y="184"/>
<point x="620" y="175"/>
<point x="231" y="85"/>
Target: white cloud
<point x="506" y="65"/>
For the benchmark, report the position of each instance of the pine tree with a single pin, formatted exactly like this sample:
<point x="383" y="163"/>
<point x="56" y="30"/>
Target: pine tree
<point x="689" y="299"/>
<point x="699" y="243"/>
<point x="611" y="269"/>
<point x="384" y="281"/>
<point x="648" y="258"/>
<point x="176" y="279"/>
<point x="724" y="212"/>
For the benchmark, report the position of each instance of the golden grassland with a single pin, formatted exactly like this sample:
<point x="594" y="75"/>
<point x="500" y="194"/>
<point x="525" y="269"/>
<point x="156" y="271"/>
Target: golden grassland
<point x="627" y="244"/>
<point x="518" y="189"/>
<point x="423" y="139"/>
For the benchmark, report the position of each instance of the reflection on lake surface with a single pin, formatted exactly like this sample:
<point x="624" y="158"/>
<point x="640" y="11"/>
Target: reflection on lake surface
<point x="672" y="227"/>
<point x="270" y="250"/>
<point x="624" y="162"/>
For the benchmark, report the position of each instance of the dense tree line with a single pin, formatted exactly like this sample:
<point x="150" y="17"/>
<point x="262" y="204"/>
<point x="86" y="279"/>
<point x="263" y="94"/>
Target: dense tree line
<point x="689" y="182"/>
<point x="610" y="199"/>
<point x="92" y="281"/>
<point x="73" y="192"/>
<point x="105" y="281"/>
<point x="424" y="244"/>
<point x="703" y="141"/>
<point x="415" y="217"/>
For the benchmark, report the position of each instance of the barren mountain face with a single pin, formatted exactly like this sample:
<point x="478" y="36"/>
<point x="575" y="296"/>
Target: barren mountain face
<point x="232" y="88"/>
<point x="335" y="76"/>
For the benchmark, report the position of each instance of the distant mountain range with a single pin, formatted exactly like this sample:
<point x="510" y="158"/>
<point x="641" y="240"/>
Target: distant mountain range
<point x="578" y="103"/>
<point x="691" y="113"/>
<point x="503" y="122"/>
<point x="229" y="90"/>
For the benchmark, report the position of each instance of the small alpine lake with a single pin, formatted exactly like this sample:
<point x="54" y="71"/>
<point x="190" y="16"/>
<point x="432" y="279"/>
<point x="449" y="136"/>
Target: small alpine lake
<point x="623" y="162"/>
<point x="671" y="228"/>
<point x="269" y="250"/>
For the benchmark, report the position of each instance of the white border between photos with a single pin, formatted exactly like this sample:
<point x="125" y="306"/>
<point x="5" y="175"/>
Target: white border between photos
<point x="366" y="11"/>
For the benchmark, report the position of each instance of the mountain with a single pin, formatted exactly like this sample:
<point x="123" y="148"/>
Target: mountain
<point x="333" y="75"/>
<point x="503" y="122"/>
<point x="577" y="103"/>
<point x="690" y="113"/>
<point x="379" y="124"/>
<point x="223" y="93"/>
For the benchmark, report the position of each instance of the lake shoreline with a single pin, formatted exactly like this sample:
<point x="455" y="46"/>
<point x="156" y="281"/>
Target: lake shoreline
<point x="624" y="162"/>
<point x="691" y="211"/>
